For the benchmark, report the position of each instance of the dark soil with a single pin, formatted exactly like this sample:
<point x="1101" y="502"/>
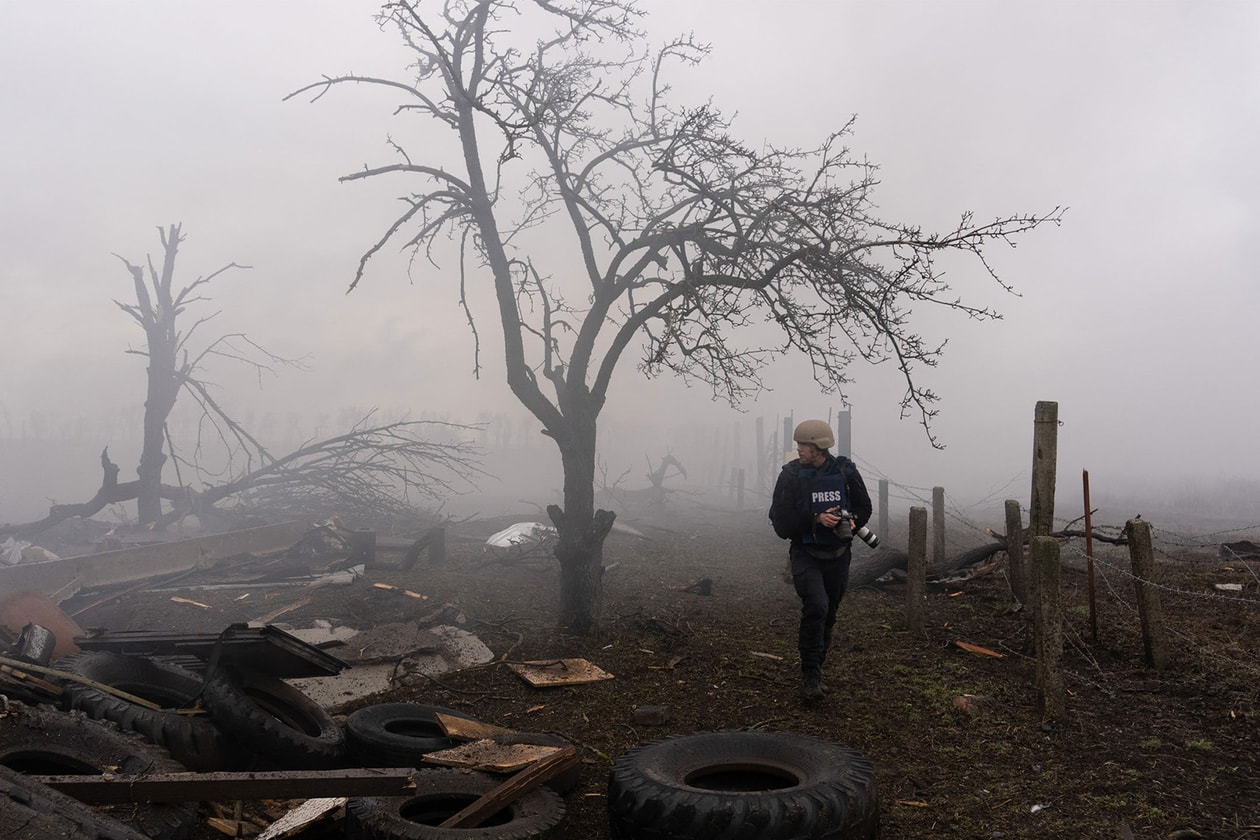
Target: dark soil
<point x="959" y="746"/>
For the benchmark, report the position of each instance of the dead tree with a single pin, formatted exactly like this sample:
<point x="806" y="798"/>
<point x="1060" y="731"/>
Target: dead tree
<point x="664" y="233"/>
<point x="157" y="309"/>
<point x="371" y="469"/>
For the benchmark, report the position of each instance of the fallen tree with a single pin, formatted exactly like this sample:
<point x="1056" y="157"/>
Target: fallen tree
<point x="868" y="570"/>
<point x="371" y="470"/>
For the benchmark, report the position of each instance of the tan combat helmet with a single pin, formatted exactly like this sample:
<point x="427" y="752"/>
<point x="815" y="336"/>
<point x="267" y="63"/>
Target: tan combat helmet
<point x="816" y="432"/>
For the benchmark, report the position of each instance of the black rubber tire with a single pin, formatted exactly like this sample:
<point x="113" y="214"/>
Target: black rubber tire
<point x="31" y="811"/>
<point x="397" y="734"/>
<point x="273" y="720"/>
<point x="440" y="794"/>
<point x="726" y="785"/>
<point x="44" y="741"/>
<point x="193" y="741"/>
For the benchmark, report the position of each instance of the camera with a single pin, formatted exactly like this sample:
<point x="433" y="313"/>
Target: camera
<point x="865" y="534"/>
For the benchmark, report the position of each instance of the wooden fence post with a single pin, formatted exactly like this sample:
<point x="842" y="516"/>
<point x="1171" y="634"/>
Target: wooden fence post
<point x="883" y="508"/>
<point x="916" y="570"/>
<point x="1015" y="551"/>
<point x="1142" y="556"/>
<point x="938" y="527"/>
<point x="1051" y="696"/>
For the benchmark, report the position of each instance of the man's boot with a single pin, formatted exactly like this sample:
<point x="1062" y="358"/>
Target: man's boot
<point x="811" y="686"/>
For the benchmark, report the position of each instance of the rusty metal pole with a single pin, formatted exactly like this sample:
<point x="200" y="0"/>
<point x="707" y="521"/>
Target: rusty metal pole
<point x="1089" y="555"/>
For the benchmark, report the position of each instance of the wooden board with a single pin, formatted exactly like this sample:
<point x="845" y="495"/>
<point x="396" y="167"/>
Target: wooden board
<point x="490" y="756"/>
<point x="468" y="730"/>
<point x="552" y="672"/>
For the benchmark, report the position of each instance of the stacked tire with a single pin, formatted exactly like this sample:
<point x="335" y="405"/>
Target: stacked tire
<point x="41" y="740"/>
<point x="743" y="785"/>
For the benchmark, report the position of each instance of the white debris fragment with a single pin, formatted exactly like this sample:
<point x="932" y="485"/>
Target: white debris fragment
<point x="521" y="533"/>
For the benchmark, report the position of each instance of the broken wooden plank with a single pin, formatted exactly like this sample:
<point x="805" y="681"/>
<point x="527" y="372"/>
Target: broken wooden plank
<point x="201" y="787"/>
<point x="279" y="611"/>
<point x="546" y="673"/>
<point x="302" y="817"/>
<point x="490" y="756"/>
<point x="406" y="592"/>
<point x="128" y="565"/>
<point x="468" y="730"/>
<point x="179" y="600"/>
<point x="514" y="788"/>
<point x="232" y="828"/>
<point x="980" y="650"/>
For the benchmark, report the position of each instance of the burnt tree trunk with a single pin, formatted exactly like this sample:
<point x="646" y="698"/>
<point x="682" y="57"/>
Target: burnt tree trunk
<point x="581" y="532"/>
<point x="157" y="314"/>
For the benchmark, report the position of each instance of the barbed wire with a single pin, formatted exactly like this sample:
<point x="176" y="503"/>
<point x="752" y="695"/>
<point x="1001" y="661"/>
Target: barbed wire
<point x="1192" y="644"/>
<point x="1216" y="596"/>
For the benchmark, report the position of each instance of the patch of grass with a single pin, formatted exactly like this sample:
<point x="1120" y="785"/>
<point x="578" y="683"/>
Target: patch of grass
<point x="1150" y="744"/>
<point x="1199" y="744"/>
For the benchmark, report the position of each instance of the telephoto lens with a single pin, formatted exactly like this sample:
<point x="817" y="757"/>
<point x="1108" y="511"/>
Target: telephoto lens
<point x="867" y="536"/>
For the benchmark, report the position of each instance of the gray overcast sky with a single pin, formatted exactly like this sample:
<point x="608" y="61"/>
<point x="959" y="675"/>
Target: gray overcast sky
<point x="1137" y="315"/>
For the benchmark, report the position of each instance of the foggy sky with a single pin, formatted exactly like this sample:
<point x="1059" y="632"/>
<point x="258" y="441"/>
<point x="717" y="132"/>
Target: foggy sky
<point x="1136" y="315"/>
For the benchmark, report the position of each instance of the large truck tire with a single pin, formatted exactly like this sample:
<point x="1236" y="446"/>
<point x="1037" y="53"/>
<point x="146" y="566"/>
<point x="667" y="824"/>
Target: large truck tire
<point x="192" y="740"/>
<point x="273" y="720"/>
<point x="439" y="795"/>
<point x="41" y="740"/>
<point x="729" y="785"/>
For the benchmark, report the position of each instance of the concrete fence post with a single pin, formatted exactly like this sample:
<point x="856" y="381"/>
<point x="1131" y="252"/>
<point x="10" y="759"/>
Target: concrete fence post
<point x="1015" y="551"/>
<point x="916" y="570"/>
<point x="1051" y="695"/>
<point x="1150" y="612"/>
<point x="938" y="527"/>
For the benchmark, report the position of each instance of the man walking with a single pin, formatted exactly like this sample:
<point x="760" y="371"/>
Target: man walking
<point x="819" y="501"/>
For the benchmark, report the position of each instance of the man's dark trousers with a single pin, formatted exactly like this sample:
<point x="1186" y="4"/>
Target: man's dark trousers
<point x="820" y="583"/>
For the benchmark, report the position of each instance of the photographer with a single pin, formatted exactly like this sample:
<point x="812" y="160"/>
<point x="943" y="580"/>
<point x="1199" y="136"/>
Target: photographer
<point x="809" y="496"/>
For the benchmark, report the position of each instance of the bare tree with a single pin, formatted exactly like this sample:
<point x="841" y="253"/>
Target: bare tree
<point x="373" y="468"/>
<point x="678" y="234"/>
<point x="159" y="303"/>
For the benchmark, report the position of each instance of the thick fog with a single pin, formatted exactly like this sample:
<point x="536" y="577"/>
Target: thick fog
<point x="1136" y="315"/>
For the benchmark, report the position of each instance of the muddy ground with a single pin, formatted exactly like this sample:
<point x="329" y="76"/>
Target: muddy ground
<point x="959" y="747"/>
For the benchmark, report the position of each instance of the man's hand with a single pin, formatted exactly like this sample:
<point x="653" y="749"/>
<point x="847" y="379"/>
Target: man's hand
<point x="831" y="519"/>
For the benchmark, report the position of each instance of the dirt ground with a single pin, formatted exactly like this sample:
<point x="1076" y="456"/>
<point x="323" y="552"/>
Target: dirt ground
<point x="959" y="747"/>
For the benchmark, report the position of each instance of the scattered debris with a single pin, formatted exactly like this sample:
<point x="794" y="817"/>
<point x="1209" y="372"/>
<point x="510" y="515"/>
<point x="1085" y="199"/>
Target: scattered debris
<point x="970" y="703"/>
<point x="653" y="715"/>
<point x="179" y="600"/>
<point x="406" y="592"/>
<point x="490" y="756"/>
<point x="1229" y="587"/>
<point x="522" y="533"/>
<point x="303" y="817"/>
<point x="765" y="655"/>
<point x="1242" y="548"/>
<point x="514" y="788"/>
<point x="547" y="673"/>
<point x="467" y="729"/>
<point x="980" y="650"/>
<point x="704" y="586"/>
